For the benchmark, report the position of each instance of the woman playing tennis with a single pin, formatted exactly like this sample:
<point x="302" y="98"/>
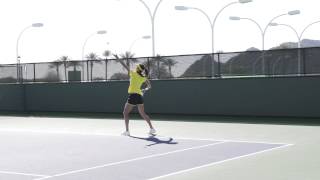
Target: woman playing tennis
<point x="137" y="78"/>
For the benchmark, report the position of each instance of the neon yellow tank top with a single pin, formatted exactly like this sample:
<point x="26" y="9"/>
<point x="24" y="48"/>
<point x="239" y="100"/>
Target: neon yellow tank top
<point x="136" y="82"/>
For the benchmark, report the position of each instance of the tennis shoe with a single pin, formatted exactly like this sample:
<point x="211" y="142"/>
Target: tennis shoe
<point x="152" y="131"/>
<point x="126" y="133"/>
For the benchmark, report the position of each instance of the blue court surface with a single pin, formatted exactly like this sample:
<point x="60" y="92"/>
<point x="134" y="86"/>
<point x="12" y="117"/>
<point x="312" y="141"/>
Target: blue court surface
<point x="72" y="156"/>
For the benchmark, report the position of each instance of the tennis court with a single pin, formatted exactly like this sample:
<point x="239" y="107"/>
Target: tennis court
<point x="35" y="148"/>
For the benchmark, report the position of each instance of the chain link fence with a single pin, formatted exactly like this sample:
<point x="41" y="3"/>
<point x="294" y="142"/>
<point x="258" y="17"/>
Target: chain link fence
<point x="250" y="63"/>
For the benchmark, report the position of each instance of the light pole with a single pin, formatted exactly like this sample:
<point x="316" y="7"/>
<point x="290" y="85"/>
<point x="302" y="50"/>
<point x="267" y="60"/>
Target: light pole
<point x="212" y="23"/>
<point x="132" y="44"/>
<point x="299" y="41"/>
<point x="235" y="18"/>
<point x="19" y="73"/>
<point x="152" y="18"/>
<point x="294" y="30"/>
<point x="91" y="35"/>
<point x="291" y="13"/>
<point x="299" y="37"/>
<point x="263" y="31"/>
<point x="101" y="32"/>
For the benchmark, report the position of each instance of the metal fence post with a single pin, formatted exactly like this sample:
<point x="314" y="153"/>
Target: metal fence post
<point x="158" y="64"/>
<point x="34" y="72"/>
<point x="212" y="65"/>
<point x="106" y="61"/>
<point x="219" y="68"/>
<point x="304" y="61"/>
<point x="87" y="70"/>
<point x="148" y="65"/>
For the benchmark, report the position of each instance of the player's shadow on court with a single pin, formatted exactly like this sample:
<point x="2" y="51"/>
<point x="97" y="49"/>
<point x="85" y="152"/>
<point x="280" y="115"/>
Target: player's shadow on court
<point x="156" y="141"/>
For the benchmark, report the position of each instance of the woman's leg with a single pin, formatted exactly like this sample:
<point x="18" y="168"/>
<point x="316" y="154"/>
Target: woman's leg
<point x="144" y="115"/>
<point x="126" y="111"/>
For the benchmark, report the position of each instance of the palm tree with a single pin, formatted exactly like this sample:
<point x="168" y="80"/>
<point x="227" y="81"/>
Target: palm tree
<point x="169" y="62"/>
<point x="156" y="69"/>
<point x="92" y="57"/>
<point x="53" y="76"/>
<point x="63" y="59"/>
<point x="106" y="54"/>
<point x="128" y="57"/>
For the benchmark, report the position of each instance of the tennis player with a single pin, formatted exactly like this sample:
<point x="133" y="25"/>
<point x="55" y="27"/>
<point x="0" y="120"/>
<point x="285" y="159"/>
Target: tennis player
<point x="138" y="77"/>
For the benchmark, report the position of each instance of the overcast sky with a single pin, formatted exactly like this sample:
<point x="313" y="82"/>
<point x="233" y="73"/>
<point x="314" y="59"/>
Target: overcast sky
<point x="67" y="24"/>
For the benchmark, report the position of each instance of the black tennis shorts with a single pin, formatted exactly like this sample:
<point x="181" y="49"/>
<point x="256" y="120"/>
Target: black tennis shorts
<point x="135" y="99"/>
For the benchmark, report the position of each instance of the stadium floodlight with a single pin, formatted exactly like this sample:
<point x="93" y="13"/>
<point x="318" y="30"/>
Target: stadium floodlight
<point x="298" y="42"/>
<point x="101" y="32"/>
<point x="19" y="73"/>
<point x="98" y="32"/>
<point x="146" y="37"/>
<point x="32" y="25"/>
<point x="273" y="24"/>
<point x="294" y="12"/>
<point x="142" y="37"/>
<point x="152" y="15"/>
<point x="181" y="8"/>
<point x="212" y="22"/>
<point x="263" y="32"/>
<point x="244" y="1"/>
<point x="37" y="25"/>
<point x="234" y="18"/>
<point x="308" y="27"/>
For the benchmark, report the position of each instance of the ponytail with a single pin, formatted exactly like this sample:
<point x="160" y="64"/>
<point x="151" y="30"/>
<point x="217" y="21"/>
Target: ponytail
<point x="141" y="68"/>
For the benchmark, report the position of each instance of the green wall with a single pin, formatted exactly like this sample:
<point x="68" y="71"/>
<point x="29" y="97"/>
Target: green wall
<point x="245" y="96"/>
<point x="76" y="97"/>
<point x="281" y="96"/>
<point x="12" y="97"/>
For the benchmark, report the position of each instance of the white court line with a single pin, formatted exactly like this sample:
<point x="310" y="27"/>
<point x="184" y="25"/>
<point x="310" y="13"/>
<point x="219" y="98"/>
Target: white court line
<point x="114" y="135"/>
<point x="130" y="160"/>
<point x="230" y="140"/>
<point x="24" y="174"/>
<point x="218" y="162"/>
<point x="57" y="132"/>
<point x="126" y="161"/>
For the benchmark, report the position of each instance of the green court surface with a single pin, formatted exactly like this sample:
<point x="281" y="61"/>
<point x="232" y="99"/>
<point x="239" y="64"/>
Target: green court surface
<point x="298" y="161"/>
